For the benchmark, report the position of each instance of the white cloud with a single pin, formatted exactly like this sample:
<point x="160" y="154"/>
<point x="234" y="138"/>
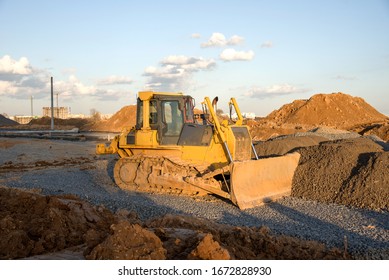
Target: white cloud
<point x="195" y="35"/>
<point x="191" y="64"/>
<point x="219" y="40"/>
<point x="235" y="40"/>
<point x="176" y="72"/>
<point x="115" y="80"/>
<point x="274" y="91"/>
<point x="6" y="86"/>
<point x="232" y="54"/>
<point x="176" y="60"/>
<point x="18" y="67"/>
<point x="18" y="79"/>
<point x="73" y="88"/>
<point x="267" y="44"/>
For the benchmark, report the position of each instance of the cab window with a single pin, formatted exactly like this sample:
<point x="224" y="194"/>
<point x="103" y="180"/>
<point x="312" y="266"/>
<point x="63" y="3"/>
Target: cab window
<point x="172" y="118"/>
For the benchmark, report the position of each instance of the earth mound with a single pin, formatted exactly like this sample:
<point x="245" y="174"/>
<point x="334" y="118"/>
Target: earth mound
<point x="126" y="116"/>
<point x="33" y="224"/>
<point x="379" y="129"/>
<point x="6" y="121"/>
<point x="46" y="121"/>
<point x="350" y="171"/>
<point x="336" y="110"/>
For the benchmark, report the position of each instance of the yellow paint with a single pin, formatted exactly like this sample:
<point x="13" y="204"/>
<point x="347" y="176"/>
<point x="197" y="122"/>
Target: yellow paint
<point x="146" y="137"/>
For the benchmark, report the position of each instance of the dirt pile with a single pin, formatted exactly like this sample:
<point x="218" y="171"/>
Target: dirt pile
<point x="379" y="129"/>
<point x="337" y="110"/>
<point x="183" y="237"/>
<point x="129" y="242"/>
<point x="278" y="147"/>
<point x="73" y="122"/>
<point x="352" y="172"/>
<point x="44" y="123"/>
<point x="193" y="238"/>
<point x="33" y="224"/>
<point x="126" y="116"/>
<point x="6" y="121"/>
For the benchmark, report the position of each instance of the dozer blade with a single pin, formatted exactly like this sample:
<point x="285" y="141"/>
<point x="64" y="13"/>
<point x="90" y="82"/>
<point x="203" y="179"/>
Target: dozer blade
<point x="255" y="182"/>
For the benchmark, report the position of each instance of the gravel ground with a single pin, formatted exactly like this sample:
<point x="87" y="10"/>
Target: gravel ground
<point x="365" y="233"/>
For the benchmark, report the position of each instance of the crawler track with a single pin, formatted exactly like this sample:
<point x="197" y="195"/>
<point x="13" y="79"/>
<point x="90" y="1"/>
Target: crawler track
<point x="158" y="174"/>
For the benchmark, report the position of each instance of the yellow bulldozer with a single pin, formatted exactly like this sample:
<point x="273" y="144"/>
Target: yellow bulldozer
<point x="173" y="150"/>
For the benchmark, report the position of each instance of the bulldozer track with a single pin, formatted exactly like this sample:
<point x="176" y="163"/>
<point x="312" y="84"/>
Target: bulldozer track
<point x="161" y="174"/>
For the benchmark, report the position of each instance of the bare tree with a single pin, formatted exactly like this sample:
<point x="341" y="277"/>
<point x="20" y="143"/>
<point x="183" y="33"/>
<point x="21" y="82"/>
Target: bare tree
<point x="95" y="115"/>
<point x="219" y="112"/>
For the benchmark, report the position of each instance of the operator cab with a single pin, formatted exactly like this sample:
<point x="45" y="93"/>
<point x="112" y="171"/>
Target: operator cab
<point x="173" y="118"/>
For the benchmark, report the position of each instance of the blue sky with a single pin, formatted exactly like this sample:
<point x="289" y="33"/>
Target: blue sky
<point x="263" y="53"/>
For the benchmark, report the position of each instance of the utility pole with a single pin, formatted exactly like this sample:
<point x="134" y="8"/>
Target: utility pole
<point x="32" y="107"/>
<point x="57" y="105"/>
<point x="52" y="105"/>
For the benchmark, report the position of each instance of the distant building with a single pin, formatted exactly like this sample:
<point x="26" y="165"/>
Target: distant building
<point x="106" y="116"/>
<point x="78" y="116"/>
<point x="250" y="116"/>
<point x="59" y="112"/>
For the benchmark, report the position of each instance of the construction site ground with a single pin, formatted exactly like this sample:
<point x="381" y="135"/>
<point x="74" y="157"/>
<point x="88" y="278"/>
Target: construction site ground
<point x="58" y="199"/>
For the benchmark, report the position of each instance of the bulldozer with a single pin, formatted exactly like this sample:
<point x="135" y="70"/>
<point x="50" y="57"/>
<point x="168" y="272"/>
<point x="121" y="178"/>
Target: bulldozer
<point x="172" y="149"/>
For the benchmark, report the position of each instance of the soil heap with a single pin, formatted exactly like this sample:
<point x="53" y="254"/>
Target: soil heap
<point x="336" y="110"/>
<point x="59" y="123"/>
<point x="6" y="121"/>
<point x="351" y="172"/>
<point x="126" y="116"/>
<point x="379" y="129"/>
<point x="31" y="224"/>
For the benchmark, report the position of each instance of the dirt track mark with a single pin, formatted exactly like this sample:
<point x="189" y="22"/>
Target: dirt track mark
<point x="42" y="164"/>
<point x="9" y="144"/>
